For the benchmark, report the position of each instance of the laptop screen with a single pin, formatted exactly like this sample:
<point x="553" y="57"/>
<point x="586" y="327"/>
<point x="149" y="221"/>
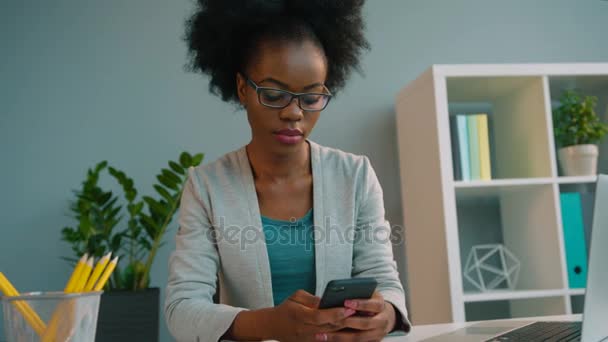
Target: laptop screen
<point x="596" y="296"/>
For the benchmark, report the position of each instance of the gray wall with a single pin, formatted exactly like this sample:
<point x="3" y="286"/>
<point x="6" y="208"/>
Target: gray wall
<point x="82" y="81"/>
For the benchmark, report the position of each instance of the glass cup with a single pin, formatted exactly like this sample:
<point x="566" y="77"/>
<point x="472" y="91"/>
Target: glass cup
<point x="51" y="316"/>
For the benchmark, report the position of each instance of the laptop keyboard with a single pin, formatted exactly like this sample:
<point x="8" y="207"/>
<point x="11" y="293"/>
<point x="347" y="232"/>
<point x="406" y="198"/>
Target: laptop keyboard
<point x="544" y="331"/>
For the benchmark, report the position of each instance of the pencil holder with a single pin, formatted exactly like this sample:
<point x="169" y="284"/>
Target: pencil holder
<point x="52" y="316"/>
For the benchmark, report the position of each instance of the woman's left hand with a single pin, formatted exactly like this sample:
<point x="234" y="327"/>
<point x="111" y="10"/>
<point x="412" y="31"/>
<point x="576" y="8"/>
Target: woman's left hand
<point x="376" y="319"/>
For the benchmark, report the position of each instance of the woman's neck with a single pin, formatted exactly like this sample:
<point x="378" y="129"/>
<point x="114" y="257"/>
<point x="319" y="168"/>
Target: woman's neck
<point x="270" y="166"/>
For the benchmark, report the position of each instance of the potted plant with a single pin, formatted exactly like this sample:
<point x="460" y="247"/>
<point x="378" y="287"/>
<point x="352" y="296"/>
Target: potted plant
<point x="578" y="129"/>
<point x="133" y="229"/>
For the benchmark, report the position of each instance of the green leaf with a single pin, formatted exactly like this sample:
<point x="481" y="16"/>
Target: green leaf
<point x="110" y="225"/>
<point x="197" y="159"/>
<point x="113" y="214"/>
<point x="150" y="225"/>
<point x="135" y="231"/>
<point x="135" y="208"/>
<point x="107" y="207"/>
<point x="130" y="195"/>
<point x="128" y="278"/>
<point x="156" y="206"/>
<point x="116" y="174"/>
<point x="116" y="240"/>
<point x="176" y="167"/>
<point x="102" y="165"/>
<point x="70" y="235"/>
<point x="104" y="198"/>
<point x="85" y="228"/>
<point x="167" y="182"/>
<point x="68" y="230"/>
<point x="170" y="199"/>
<point x="171" y="175"/>
<point x="133" y="275"/>
<point x="139" y="206"/>
<point x="185" y="159"/>
<point x="145" y="243"/>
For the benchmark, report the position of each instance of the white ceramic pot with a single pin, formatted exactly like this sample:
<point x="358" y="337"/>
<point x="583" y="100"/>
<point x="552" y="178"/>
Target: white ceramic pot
<point x="578" y="160"/>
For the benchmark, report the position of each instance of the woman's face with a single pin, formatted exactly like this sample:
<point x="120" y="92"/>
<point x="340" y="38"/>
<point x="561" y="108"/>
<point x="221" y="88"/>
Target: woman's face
<point x="298" y="67"/>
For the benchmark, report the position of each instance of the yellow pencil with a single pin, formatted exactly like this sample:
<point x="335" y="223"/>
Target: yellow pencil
<point x="106" y="275"/>
<point x="71" y="287"/>
<point x="26" y="310"/>
<point x="54" y="332"/>
<point x="101" y="265"/>
<point x="76" y="273"/>
<point x="84" y="275"/>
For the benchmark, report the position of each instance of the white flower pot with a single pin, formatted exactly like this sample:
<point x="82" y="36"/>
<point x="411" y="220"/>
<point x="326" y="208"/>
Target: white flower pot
<point x="578" y="160"/>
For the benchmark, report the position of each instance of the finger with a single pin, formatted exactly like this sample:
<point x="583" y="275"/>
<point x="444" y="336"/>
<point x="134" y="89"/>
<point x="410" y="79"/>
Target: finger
<point x="304" y="298"/>
<point x="374" y="305"/>
<point x="325" y="328"/>
<point x="341" y="336"/>
<point x="365" y="323"/>
<point x="330" y="320"/>
<point x="328" y="316"/>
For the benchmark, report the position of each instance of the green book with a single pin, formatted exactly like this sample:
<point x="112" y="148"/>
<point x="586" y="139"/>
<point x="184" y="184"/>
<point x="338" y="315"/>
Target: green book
<point x="474" y="162"/>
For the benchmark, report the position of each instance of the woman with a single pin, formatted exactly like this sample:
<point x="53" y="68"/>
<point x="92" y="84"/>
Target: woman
<point x="279" y="218"/>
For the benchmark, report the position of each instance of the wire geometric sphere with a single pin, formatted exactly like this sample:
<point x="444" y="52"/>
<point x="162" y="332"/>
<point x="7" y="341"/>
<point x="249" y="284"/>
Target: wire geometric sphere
<point x="491" y="265"/>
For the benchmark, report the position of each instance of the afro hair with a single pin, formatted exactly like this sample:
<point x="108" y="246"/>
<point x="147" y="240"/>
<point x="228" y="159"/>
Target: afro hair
<point x="222" y="35"/>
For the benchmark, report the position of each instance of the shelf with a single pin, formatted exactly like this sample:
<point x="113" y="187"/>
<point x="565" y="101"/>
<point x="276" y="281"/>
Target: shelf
<point x="495" y="187"/>
<point x="503" y="182"/>
<point x="518" y="307"/>
<point x="576" y="292"/>
<point x="480" y="89"/>
<point x="510" y="295"/>
<point x="519" y="207"/>
<point x="577" y="180"/>
<point x="524" y="181"/>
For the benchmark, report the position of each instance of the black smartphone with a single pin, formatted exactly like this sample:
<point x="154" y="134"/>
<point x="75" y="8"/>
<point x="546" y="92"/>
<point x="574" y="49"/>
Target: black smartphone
<point x="339" y="290"/>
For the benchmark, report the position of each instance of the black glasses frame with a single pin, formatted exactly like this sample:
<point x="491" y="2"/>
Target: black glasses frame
<point x="259" y="89"/>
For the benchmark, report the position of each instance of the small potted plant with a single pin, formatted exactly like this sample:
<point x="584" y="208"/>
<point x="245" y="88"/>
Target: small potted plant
<point x="578" y="129"/>
<point x="129" y="309"/>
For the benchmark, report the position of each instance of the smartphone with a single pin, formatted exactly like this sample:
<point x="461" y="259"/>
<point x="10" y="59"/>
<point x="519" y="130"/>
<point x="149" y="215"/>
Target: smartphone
<point x="339" y="290"/>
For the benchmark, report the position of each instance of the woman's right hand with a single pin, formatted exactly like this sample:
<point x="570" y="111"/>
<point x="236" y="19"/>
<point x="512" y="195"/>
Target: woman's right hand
<point x="299" y="318"/>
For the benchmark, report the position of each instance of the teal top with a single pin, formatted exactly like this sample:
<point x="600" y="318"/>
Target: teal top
<point x="291" y="254"/>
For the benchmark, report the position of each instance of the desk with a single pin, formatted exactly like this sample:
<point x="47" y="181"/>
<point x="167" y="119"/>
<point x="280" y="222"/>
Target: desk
<point x="421" y="332"/>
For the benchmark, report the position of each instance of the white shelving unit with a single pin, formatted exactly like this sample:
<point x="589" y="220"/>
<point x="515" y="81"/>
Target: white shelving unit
<point x="519" y="207"/>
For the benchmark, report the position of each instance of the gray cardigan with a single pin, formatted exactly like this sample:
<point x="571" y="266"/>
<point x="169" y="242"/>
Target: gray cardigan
<point x="221" y="235"/>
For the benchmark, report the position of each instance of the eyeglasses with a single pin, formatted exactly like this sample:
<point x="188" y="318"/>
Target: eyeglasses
<point x="279" y="98"/>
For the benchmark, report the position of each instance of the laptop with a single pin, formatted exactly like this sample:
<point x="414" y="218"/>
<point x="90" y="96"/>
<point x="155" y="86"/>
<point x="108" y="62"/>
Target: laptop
<point x="593" y="328"/>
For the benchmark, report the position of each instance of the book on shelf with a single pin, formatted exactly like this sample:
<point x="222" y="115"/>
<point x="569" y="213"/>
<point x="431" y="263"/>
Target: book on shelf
<point x="574" y="239"/>
<point x="455" y="148"/>
<point x="485" y="171"/>
<point x="474" y="162"/>
<point x="471" y="147"/>
<point x="463" y="146"/>
<point x="460" y="147"/>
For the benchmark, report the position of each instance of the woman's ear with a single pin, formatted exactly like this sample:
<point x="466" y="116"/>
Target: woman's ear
<point x="241" y="88"/>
